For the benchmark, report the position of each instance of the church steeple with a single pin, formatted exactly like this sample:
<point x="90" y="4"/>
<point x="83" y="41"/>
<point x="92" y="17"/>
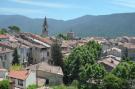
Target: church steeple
<point x="45" y="28"/>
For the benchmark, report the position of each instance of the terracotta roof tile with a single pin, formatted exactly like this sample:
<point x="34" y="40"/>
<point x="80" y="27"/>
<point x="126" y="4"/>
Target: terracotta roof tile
<point x="19" y="74"/>
<point x="3" y="36"/>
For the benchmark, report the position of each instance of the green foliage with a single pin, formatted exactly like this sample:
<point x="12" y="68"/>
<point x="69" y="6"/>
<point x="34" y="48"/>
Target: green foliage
<point x="91" y="75"/>
<point x="126" y="59"/>
<point x="4" y="84"/>
<point x="111" y="81"/>
<point x="62" y="36"/>
<point x="79" y="57"/>
<point x="57" y="55"/>
<point x="92" y="72"/>
<point x="3" y="31"/>
<point x="64" y="87"/>
<point x="15" y="57"/>
<point x="14" y="29"/>
<point x="16" y="67"/>
<point x="75" y="83"/>
<point x="125" y="70"/>
<point x="32" y="86"/>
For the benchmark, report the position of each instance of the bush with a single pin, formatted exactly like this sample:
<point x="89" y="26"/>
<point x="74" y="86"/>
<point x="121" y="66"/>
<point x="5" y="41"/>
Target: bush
<point x="32" y="86"/>
<point x="64" y="87"/>
<point x="4" y="84"/>
<point x="75" y="83"/>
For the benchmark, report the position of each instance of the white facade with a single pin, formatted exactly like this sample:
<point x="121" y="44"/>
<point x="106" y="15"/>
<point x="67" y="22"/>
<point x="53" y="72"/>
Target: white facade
<point x="115" y="52"/>
<point x="3" y="74"/>
<point x="23" y="84"/>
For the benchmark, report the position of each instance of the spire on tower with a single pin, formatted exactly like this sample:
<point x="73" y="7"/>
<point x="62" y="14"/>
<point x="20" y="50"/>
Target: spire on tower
<point x="45" y="28"/>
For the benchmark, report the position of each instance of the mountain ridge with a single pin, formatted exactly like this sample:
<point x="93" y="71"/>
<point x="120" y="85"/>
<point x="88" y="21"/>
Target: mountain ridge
<point x="89" y="25"/>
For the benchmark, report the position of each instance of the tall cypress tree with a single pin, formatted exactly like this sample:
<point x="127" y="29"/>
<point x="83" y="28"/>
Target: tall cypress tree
<point x="15" y="57"/>
<point x="56" y="54"/>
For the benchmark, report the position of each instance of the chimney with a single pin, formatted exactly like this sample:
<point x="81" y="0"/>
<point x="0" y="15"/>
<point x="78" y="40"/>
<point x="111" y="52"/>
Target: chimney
<point x="112" y="61"/>
<point x="28" y="71"/>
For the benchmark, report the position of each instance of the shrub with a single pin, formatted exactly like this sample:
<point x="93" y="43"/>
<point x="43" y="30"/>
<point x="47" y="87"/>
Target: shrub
<point x="32" y="86"/>
<point x="4" y="84"/>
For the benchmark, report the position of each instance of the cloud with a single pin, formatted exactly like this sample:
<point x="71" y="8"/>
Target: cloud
<point x="7" y="10"/>
<point x="43" y="4"/>
<point x="125" y="3"/>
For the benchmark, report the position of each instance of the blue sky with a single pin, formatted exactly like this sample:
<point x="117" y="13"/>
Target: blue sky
<point x="65" y="9"/>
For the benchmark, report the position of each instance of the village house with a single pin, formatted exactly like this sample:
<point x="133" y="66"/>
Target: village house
<point x="109" y="63"/>
<point x="52" y="75"/>
<point x="67" y="46"/>
<point x="6" y="57"/>
<point x="22" y="78"/>
<point x="22" y="50"/>
<point x="4" y="37"/>
<point x="114" y="51"/>
<point x="8" y="47"/>
<point x="128" y="50"/>
<point x="3" y="73"/>
<point x="40" y="48"/>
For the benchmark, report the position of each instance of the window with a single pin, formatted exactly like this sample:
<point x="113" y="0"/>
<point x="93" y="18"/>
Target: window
<point x="20" y="82"/>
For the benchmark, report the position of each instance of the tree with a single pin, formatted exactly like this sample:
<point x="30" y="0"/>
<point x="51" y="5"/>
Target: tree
<point x="126" y="71"/>
<point x="14" y="29"/>
<point x="3" y="31"/>
<point x="59" y="36"/>
<point x="111" y="81"/>
<point x="79" y="57"/>
<point x="4" y="84"/>
<point x="91" y="75"/>
<point x="56" y="54"/>
<point x="15" y="57"/>
<point x="122" y="70"/>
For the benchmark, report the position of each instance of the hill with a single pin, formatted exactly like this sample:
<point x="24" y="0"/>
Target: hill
<point x="102" y="25"/>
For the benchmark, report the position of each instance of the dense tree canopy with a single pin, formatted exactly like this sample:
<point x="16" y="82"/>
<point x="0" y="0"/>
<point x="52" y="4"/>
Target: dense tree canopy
<point x="112" y="82"/>
<point x="91" y="76"/>
<point x="15" y="57"/>
<point x="82" y="65"/>
<point x="14" y="29"/>
<point x="125" y="70"/>
<point x="3" y="31"/>
<point x="79" y="57"/>
<point x="62" y="36"/>
<point x="56" y="54"/>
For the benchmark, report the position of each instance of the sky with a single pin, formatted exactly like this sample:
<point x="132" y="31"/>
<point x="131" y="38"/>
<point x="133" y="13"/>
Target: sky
<point x="65" y="9"/>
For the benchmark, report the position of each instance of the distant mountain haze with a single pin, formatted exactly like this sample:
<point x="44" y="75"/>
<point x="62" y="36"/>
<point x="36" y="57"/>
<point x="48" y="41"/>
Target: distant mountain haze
<point x="102" y="25"/>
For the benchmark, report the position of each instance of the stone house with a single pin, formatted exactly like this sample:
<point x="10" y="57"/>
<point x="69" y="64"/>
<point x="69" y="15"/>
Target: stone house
<point x="51" y="74"/>
<point x="6" y="57"/>
<point x="3" y="73"/>
<point x="22" y="78"/>
<point x="109" y="63"/>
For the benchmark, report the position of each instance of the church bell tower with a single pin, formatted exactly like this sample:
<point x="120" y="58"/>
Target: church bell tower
<point x="45" y="28"/>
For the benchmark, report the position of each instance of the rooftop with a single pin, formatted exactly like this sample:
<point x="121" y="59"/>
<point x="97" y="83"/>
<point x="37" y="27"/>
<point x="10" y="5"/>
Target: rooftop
<point x="22" y="74"/>
<point x="4" y="36"/>
<point x="129" y="45"/>
<point x="47" y="68"/>
<point x="5" y="50"/>
<point x="110" y="62"/>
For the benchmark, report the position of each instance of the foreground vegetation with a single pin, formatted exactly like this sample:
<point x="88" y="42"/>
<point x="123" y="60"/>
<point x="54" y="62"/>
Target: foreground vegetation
<point x="81" y="65"/>
<point x="4" y="84"/>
